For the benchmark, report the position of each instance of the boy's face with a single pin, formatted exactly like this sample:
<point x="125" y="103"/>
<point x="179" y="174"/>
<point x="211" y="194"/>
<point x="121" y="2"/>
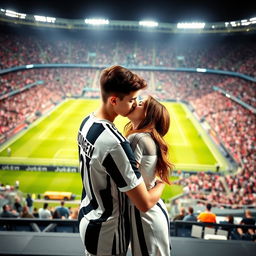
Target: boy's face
<point x="127" y="104"/>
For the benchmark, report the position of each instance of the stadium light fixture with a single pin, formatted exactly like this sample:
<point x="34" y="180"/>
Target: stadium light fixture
<point x="203" y="70"/>
<point x="253" y="20"/>
<point x="148" y="23"/>
<point x="191" y="25"/>
<point x="45" y="19"/>
<point x="13" y="14"/>
<point x="29" y="66"/>
<point x="96" y="21"/>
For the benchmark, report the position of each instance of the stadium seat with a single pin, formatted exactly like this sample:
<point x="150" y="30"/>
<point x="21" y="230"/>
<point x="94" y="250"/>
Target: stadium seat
<point x="196" y="231"/>
<point x="222" y="233"/>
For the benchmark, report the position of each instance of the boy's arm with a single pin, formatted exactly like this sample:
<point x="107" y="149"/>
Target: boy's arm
<point x="145" y="199"/>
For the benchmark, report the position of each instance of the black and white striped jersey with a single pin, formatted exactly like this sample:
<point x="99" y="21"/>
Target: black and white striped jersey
<point x="108" y="168"/>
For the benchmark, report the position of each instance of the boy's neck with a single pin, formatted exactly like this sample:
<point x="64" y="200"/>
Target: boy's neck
<point x="105" y="113"/>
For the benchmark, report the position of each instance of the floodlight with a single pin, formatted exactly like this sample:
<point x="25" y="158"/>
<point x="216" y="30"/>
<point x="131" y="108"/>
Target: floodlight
<point x="191" y="25"/>
<point x="29" y="66"/>
<point x="44" y="19"/>
<point x="203" y="70"/>
<point x="96" y="21"/>
<point x="148" y="23"/>
<point x="15" y="14"/>
<point x="253" y="20"/>
<point x="234" y="23"/>
<point x="245" y="22"/>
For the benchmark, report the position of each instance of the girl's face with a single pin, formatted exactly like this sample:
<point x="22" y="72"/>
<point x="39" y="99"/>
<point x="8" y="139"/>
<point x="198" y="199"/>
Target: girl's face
<point x="139" y="112"/>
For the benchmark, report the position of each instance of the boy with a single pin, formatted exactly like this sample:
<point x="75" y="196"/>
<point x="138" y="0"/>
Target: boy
<point x="109" y="170"/>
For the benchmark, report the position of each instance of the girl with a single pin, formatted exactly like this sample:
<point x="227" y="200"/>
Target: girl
<point x="149" y="122"/>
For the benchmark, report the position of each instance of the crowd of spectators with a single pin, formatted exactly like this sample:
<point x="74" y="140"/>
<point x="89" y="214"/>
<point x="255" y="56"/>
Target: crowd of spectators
<point x="23" y="208"/>
<point x="232" y="54"/>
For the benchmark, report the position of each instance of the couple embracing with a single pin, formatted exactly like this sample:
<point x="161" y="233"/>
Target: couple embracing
<point x="123" y="177"/>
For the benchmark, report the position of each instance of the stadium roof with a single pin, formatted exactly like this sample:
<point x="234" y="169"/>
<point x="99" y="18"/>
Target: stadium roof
<point x="159" y="10"/>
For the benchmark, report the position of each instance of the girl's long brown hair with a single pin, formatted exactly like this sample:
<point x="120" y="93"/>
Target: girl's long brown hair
<point x="157" y="123"/>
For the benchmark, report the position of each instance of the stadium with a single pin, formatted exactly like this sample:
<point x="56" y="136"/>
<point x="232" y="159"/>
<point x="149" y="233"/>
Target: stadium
<point x="204" y="74"/>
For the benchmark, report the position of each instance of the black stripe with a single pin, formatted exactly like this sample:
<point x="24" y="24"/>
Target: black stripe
<point x="83" y="123"/>
<point x="114" y="245"/>
<point x="127" y="220"/>
<point x="141" y="237"/>
<point x="129" y="153"/>
<point x="94" y="132"/>
<point x="167" y="219"/>
<point x="164" y="212"/>
<point x="120" y="233"/>
<point x="93" y="203"/>
<point x="107" y="200"/>
<point x="123" y="222"/>
<point x="116" y="133"/>
<point x="91" y="237"/>
<point x="82" y="174"/>
<point x="113" y="171"/>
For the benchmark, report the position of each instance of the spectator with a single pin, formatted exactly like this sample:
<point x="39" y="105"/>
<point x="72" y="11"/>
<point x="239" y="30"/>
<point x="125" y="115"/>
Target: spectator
<point x="181" y="215"/>
<point x="25" y="213"/>
<point x="207" y="215"/>
<point x="17" y="205"/>
<point x="245" y="233"/>
<point x="7" y="213"/>
<point x="56" y="214"/>
<point x="44" y="213"/>
<point x="17" y="184"/>
<point x="74" y="214"/>
<point x="190" y="216"/>
<point x="29" y="202"/>
<point x="62" y="210"/>
<point x="35" y="213"/>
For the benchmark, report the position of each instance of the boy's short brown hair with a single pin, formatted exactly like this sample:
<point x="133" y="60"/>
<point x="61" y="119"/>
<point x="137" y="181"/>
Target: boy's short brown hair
<point x="119" y="81"/>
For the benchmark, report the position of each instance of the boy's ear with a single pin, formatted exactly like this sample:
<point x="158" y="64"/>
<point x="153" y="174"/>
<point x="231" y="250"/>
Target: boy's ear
<point x="113" y="100"/>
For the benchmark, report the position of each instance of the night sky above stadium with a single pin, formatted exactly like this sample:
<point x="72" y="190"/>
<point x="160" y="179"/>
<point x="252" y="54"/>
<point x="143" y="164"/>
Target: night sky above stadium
<point x="158" y="10"/>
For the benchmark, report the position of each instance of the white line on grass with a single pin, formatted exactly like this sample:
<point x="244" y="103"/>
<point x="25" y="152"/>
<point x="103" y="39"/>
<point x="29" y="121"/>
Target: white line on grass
<point x="62" y="151"/>
<point x="185" y="142"/>
<point x="20" y="134"/>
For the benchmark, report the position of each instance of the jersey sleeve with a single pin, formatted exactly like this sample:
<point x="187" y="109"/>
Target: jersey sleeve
<point x="120" y="165"/>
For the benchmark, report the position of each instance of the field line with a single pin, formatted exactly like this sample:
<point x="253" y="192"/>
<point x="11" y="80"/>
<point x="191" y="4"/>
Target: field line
<point x="43" y="135"/>
<point x="213" y="148"/>
<point x="20" y="134"/>
<point x="60" y="151"/>
<point x="185" y="142"/>
<point x="205" y="167"/>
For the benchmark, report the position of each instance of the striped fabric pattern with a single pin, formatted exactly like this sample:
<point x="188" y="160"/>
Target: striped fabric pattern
<point x="108" y="169"/>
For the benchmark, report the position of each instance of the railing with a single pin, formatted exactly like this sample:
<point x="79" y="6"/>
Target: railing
<point x="177" y="228"/>
<point x="39" y="225"/>
<point x="186" y="229"/>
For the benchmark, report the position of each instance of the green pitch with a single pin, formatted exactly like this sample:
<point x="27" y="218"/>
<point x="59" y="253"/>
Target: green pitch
<point x="52" y="140"/>
<point x="39" y="182"/>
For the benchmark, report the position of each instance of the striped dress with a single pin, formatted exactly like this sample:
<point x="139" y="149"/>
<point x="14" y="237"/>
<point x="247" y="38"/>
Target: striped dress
<point x="150" y="230"/>
<point x="108" y="169"/>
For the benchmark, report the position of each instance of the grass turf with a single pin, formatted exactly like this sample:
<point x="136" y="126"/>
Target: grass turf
<point x="39" y="182"/>
<point x="53" y="140"/>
